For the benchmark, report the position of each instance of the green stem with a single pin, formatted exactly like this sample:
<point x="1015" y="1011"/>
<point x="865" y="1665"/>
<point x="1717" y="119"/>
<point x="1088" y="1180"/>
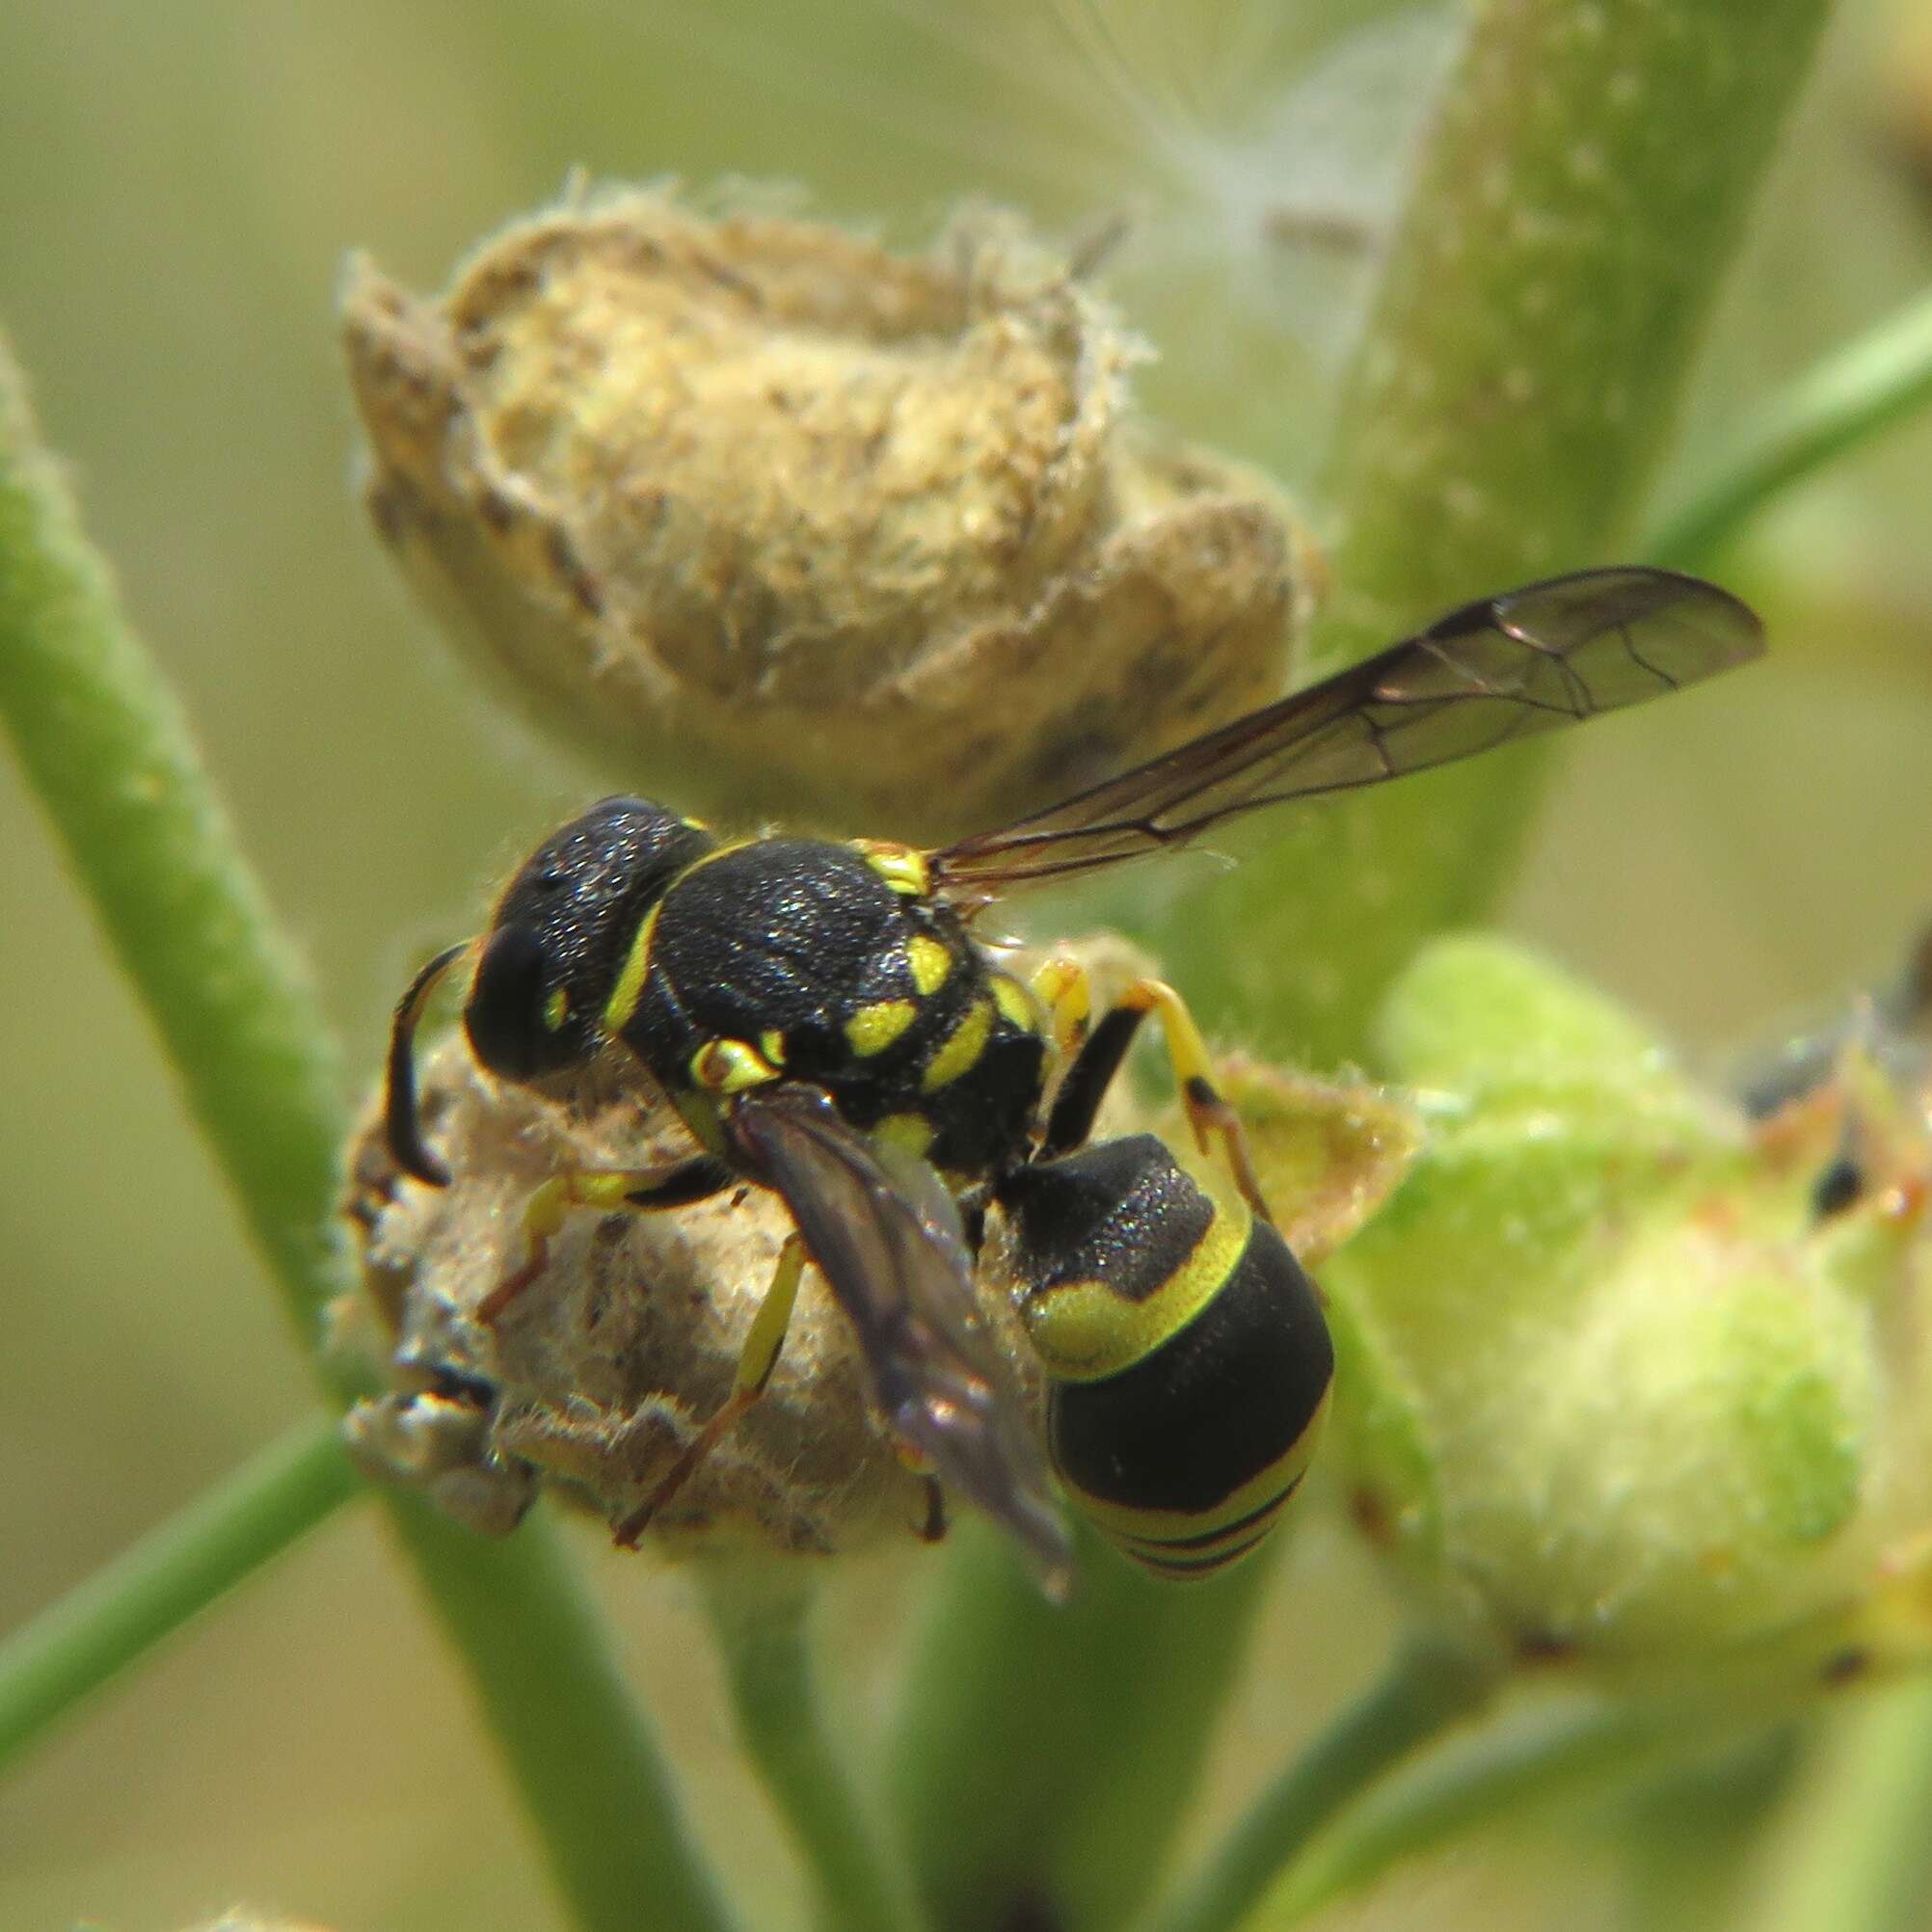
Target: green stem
<point x="761" y="1616"/>
<point x="1427" y="1691"/>
<point x="1043" y="1756"/>
<point x="582" y="1757"/>
<point x="1579" y="197"/>
<point x="1857" y="1852"/>
<point x="1689" y="1839"/>
<point x="88" y="1638"/>
<point x="102" y="739"/>
<point x="1542" y="1761"/>
<point x="1863" y="387"/>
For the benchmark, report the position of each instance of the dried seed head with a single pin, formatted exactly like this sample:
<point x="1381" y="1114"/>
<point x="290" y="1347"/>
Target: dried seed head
<point x="787" y="524"/>
<point x="598" y="1375"/>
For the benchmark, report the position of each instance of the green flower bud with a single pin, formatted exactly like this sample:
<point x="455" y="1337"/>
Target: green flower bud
<point x="1619" y="1382"/>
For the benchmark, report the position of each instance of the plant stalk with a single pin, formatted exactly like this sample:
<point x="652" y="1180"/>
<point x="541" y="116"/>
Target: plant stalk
<point x="1426" y="1691"/>
<point x="760" y="1613"/>
<point x="1859" y="390"/>
<point x="122" y="1611"/>
<point x="102" y="739"/>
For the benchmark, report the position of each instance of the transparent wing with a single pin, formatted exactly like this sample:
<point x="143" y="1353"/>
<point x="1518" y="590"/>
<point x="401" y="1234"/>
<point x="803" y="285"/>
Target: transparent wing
<point x="1531" y="660"/>
<point x="887" y="1239"/>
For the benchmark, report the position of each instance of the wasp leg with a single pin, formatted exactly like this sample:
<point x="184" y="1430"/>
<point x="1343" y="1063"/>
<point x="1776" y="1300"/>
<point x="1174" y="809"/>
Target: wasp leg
<point x="1062" y="986"/>
<point x="642" y="1191"/>
<point x="1212" y="1119"/>
<point x="755" y="1361"/>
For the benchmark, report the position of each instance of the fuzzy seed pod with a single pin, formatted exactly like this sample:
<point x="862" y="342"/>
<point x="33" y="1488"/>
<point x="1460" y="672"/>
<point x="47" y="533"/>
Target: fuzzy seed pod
<point x="595" y="1378"/>
<point x="1626" y="1377"/>
<point x="780" y="522"/>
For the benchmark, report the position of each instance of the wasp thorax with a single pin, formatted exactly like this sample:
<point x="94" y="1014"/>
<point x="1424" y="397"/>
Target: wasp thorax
<point x="815" y="530"/>
<point x="563" y="931"/>
<point x="604" y="1371"/>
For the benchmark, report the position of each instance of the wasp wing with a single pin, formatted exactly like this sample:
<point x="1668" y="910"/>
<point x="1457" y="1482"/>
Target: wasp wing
<point x="885" y="1235"/>
<point x="1535" y="659"/>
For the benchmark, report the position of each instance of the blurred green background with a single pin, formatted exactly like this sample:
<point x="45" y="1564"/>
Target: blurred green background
<point x="181" y="183"/>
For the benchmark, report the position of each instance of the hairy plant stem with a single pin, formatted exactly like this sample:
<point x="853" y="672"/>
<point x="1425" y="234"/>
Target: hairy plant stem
<point x="1426" y="1691"/>
<point x="102" y="740"/>
<point x="762" y="1612"/>
<point x="115" y="1617"/>
<point x="1575" y="205"/>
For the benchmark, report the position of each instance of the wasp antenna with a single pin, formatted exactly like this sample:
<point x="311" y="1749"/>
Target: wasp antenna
<point x="400" y="1123"/>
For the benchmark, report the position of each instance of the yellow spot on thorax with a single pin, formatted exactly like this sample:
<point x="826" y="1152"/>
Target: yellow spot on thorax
<point x="931" y="961"/>
<point x="903" y="868"/>
<point x="913" y="1131"/>
<point x="873" y="1029"/>
<point x="771" y="1043"/>
<point x="1014" y="1001"/>
<point x="960" y="1048"/>
<point x="730" y="1066"/>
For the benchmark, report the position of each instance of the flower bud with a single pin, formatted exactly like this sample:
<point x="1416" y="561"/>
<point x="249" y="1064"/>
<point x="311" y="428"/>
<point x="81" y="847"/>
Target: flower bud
<point x="1619" y="1381"/>
<point x="778" y="521"/>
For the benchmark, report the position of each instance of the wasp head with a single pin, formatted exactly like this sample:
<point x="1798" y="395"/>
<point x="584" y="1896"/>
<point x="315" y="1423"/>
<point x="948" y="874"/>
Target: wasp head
<point x="562" y="931"/>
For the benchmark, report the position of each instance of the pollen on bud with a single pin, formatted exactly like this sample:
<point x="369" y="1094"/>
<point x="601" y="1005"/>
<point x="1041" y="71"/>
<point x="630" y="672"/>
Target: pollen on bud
<point x="784" y="522"/>
<point x="594" y="1379"/>
<point x="1627" y="1375"/>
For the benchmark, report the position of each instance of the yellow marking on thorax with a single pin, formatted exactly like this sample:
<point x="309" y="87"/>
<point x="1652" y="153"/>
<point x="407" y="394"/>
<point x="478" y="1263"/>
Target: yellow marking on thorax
<point x="931" y="961"/>
<point x="1083" y="1331"/>
<point x="771" y="1043"/>
<point x="912" y="1132"/>
<point x="873" y="1029"/>
<point x="730" y="1066"/>
<point x="903" y="868"/>
<point x="1015" y="1000"/>
<point x="630" y="988"/>
<point x="961" y="1049"/>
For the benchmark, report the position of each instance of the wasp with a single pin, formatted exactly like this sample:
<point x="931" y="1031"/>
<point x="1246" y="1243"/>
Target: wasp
<point x="821" y="1016"/>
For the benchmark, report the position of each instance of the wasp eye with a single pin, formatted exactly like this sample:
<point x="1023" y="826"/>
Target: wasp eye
<point x="515" y="1014"/>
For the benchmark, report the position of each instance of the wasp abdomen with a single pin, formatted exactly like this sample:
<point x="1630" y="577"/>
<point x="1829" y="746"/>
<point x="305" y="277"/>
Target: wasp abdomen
<point x="1188" y="1360"/>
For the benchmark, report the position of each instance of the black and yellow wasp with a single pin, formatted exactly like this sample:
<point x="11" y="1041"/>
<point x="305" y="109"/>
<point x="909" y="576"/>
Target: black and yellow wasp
<point x="821" y="1017"/>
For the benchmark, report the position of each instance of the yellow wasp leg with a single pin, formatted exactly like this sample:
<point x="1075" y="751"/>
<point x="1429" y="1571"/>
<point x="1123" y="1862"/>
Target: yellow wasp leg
<point x="637" y="1189"/>
<point x="756" y="1360"/>
<point x="1209" y="1114"/>
<point x="1062" y="986"/>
